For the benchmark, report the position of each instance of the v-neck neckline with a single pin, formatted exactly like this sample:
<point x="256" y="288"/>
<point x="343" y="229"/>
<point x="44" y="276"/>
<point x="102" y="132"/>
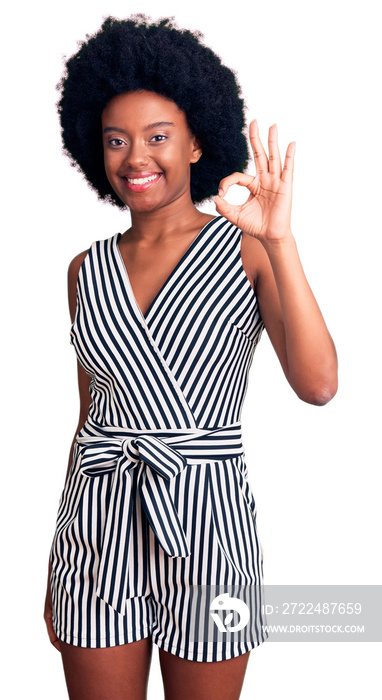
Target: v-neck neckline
<point x="172" y="273"/>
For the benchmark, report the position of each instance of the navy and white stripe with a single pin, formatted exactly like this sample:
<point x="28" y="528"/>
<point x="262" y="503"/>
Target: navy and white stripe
<point x="157" y="500"/>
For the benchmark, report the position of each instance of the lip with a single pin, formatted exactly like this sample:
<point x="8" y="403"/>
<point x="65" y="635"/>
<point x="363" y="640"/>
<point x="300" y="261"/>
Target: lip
<point x="143" y="186"/>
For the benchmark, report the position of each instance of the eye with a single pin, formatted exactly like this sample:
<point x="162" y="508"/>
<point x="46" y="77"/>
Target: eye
<point x="158" y="138"/>
<point x="116" y="142"/>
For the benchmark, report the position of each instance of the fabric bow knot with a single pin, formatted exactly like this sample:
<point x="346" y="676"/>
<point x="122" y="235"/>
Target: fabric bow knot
<point x="157" y="463"/>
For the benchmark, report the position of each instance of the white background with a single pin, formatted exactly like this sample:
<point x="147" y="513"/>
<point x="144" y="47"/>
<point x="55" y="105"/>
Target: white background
<point x="314" y="69"/>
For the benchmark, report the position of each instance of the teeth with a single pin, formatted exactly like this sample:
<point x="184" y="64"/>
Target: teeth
<point x="141" y="180"/>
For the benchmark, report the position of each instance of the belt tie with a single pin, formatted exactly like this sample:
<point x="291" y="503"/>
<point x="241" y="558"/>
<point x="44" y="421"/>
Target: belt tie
<point x="158" y="459"/>
<point x="157" y="462"/>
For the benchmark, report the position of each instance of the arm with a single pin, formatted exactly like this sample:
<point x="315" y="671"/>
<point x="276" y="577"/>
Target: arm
<point x="294" y="321"/>
<point x="83" y="386"/>
<point x="83" y="378"/>
<point x="289" y="310"/>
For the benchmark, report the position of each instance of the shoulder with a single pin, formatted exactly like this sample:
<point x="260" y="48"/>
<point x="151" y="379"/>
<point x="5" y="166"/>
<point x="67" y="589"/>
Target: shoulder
<point x="73" y="272"/>
<point x="75" y="265"/>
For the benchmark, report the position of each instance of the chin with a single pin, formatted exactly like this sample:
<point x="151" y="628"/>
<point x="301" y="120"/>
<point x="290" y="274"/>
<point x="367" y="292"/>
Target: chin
<point x="139" y="204"/>
<point x="142" y="206"/>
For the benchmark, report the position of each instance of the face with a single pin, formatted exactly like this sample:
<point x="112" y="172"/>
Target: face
<point x="148" y="149"/>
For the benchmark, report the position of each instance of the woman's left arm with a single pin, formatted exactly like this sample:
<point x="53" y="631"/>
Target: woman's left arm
<point x="288" y="308"/>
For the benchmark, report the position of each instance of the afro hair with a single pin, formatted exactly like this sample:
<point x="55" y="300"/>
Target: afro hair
<point x="137" y="54"/>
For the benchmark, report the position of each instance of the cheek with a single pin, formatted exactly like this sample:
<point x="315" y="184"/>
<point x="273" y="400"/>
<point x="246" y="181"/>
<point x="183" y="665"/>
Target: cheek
<point x="111" y="163"/>
<point x="177" y="161"/>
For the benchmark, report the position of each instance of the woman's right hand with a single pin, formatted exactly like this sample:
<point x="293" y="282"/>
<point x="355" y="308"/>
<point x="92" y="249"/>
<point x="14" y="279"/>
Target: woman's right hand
<point x="48" y="614"/>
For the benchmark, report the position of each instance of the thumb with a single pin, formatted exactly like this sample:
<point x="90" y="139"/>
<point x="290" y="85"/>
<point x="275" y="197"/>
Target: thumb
<point x="230" y="211"/>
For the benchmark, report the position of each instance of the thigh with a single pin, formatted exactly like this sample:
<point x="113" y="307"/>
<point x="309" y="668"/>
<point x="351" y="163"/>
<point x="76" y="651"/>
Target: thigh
<point x="202" y="680"/>
<point x="218" y="515"/>
<point x="115" y="673"/>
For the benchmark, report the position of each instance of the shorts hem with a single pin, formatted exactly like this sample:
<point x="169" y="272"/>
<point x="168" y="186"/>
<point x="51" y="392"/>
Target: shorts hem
<point x="208" y="656"/>
<point x="105" y="642"/>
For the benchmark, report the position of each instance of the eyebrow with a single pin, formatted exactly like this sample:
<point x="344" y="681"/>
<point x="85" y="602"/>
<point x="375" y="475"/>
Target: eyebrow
<point x="147" y="128"/>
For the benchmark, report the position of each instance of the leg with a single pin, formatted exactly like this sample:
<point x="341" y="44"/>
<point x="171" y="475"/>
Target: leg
<point x="198" y="680"/>
<point x="115" y="673"/>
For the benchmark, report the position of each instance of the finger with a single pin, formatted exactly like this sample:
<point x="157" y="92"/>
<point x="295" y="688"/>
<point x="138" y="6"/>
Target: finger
<point x="261" y="160"/>
<point x="229" y="211"/>
<point x="234" y="179"/>
<point x="53" y="638"/>
<point x="287" y="173"/>
<point x="50" y="629"/>
<point x="274" y="153"/>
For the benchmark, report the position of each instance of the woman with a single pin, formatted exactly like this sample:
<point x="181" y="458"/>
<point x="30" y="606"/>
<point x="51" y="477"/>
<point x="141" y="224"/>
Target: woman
<point x="165" y="321"/>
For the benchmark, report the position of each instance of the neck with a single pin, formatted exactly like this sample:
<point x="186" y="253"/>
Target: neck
<point x="177" y="217"/>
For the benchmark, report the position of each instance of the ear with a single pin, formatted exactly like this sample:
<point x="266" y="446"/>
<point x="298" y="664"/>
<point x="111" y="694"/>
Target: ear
<point x="196" y="150"/>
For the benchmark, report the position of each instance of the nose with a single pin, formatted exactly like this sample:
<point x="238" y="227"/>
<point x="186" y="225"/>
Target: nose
<point x="136" y="154"/>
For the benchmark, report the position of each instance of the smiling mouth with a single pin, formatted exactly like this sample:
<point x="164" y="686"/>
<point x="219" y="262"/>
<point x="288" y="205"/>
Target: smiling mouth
<point x="141" y="180"/>
<point x="140" y="184"/>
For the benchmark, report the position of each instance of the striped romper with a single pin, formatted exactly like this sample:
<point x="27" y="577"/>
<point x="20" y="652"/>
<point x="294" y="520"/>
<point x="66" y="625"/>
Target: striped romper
<point x="156" y="530"/>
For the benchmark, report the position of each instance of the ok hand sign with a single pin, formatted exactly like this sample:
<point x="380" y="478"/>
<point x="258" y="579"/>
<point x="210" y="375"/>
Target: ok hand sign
<point x="266" y="213"/>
